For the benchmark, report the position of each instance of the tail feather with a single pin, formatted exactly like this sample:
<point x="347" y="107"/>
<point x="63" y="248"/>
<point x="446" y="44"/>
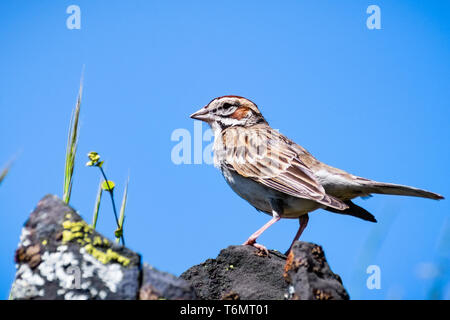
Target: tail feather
<point x="397" y="189"/>
<point x="355" y="211"/>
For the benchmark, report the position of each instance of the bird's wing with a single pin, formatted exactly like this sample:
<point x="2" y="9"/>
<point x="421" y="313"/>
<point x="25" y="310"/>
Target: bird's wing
<point x="267" y="157"/>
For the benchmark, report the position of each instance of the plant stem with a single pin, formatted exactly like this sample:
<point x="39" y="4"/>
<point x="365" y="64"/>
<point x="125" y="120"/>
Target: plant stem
<point x="113" y="203"/>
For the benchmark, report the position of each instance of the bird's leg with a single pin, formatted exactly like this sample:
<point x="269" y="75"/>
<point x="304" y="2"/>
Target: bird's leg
<point x="251" y="241"/>
<point x="303" y="223"/>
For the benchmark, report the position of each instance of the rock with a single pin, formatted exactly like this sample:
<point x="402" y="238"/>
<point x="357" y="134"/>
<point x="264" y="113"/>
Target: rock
<point x="242" y="272"/>
<point x="162" y="285"/>
<point x="309" y="275"/>
<point x="61" y="257"/>
<point x="239" y="272"/>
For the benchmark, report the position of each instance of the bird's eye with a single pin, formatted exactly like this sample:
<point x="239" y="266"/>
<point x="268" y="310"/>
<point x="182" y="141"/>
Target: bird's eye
<point x="226" y="105"/>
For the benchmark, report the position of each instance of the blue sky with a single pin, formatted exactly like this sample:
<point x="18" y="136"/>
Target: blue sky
<point x="372" y="102"/>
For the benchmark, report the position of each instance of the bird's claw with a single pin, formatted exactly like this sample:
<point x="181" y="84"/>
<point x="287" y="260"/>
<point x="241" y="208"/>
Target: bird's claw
<point x="262" y="249"/>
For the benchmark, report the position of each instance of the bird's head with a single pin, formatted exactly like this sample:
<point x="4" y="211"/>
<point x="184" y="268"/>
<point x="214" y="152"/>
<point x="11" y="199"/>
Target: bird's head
<point x="227" y="111"/>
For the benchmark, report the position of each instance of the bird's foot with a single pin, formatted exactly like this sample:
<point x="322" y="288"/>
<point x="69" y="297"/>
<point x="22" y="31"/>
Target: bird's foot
<point x="252" y="242"/>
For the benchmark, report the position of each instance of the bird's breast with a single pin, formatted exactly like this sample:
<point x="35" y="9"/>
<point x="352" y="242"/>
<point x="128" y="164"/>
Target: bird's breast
<point x="260" y="196"/>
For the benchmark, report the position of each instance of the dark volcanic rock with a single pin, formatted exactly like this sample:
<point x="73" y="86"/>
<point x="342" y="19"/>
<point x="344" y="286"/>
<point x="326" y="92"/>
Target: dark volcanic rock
<point x="310" y="276"/>
<point x="157" y="284"/>
<point x="242" y="272"/>
<point x="239" y="272"/>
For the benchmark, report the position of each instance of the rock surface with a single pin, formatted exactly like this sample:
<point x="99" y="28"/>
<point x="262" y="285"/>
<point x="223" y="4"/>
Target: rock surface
<point x="310" y="276"/>
<point x="239" y="272"/>
<point x="162" y="285"/>
<point x="242" y="272"/>
<point x="60" y="256"/>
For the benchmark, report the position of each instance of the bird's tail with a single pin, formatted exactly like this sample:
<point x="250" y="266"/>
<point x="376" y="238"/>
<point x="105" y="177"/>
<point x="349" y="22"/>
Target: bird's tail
<point x="354" y="210"/>
<point x="397" y="189"/>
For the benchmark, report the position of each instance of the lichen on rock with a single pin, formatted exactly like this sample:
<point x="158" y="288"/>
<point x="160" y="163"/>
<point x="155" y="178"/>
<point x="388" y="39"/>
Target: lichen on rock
<point x="61" y="257"/>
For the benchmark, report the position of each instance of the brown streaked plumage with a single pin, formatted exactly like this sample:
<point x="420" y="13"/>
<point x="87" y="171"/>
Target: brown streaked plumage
<point x="278" y="167"/>
<point x="279" y="177"/>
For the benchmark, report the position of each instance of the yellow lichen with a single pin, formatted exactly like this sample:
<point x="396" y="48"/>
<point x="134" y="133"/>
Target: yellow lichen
<point x="97" y="240"/>
<point x="79" y="231"/>
<point x="106" y="257"/>
<point x="69" y="235"/>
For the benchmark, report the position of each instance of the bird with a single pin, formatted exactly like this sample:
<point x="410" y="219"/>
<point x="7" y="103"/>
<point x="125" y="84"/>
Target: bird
<point x="279" y="177"/>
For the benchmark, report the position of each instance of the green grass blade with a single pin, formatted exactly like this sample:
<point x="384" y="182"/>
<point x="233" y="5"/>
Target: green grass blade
<point x="71" y="148"/>
<point x="6" y="169"/>
<point x="122" y="212"/>
<point x="97" y="205"/>
<point x="4" y="172"/>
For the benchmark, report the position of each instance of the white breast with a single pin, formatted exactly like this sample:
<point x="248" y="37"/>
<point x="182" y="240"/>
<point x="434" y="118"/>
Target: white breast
<point x="259" y="196"/>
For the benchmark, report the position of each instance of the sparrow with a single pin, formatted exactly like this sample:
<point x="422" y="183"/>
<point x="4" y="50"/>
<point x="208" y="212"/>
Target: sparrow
<point x="279" y="177"/>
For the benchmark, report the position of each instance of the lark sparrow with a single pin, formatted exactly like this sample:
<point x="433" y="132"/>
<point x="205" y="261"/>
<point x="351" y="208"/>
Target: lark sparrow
<point x="279" y="177"/>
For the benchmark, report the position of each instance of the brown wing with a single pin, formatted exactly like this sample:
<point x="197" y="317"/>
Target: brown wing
<point x="264" y="155"/>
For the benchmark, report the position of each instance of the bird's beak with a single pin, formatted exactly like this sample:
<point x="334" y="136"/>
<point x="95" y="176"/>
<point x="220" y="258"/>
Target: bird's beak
<point x="202" y="114"/>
